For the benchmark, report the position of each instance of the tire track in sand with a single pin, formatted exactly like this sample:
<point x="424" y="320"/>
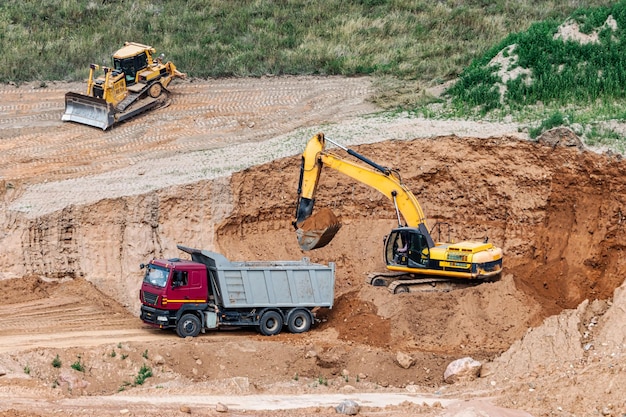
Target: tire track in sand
<point x="35" y="146"/>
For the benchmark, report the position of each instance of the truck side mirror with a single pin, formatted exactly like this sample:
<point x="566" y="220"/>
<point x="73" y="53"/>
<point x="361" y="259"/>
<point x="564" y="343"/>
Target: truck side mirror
<point x="142" y="266"/>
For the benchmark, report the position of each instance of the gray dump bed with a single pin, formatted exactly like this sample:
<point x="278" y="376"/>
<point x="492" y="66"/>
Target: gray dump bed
<point x="269" y="283"/>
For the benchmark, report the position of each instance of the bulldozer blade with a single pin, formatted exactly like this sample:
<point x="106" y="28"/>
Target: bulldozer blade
<point x="88" y="110"/>
<point x="314" y="239"/>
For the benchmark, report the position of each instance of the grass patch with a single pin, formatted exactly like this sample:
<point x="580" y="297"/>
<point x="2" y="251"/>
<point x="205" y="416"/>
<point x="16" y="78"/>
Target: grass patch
<point x="557" y="72"/>
<point x="78" y="365"/>
<point x="551" y="67"/>
<point x="56" y="362"/>
<point x="144" y="373"/>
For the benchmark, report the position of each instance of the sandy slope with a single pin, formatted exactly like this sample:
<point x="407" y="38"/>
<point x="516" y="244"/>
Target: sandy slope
<point x="82" y="208"/>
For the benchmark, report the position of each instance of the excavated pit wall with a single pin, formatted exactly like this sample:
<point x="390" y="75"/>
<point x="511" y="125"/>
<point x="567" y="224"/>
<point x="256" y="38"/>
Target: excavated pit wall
<point x="106" y="242"/>
<point x="556" y="211"/>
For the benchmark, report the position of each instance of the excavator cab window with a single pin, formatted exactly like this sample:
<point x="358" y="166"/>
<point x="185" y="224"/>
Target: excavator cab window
<point x="407" y="246"/>
<point x="418" y="251"/>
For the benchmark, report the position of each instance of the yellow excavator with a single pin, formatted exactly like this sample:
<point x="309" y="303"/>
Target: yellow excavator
<point x="137" y="82"/>
<point x="415" y="260"/>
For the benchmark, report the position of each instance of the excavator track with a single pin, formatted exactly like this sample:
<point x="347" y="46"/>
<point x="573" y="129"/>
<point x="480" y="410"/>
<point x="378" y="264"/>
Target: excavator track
<point x="398" y="283"/>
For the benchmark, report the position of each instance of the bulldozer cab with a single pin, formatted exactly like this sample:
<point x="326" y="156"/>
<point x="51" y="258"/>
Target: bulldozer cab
<point x="132" y="58"/>
<point x="407" y="246"/>
<point x="131" y="66"/>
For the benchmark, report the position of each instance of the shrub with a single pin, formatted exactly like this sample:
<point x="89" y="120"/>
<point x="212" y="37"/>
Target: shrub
<point x="144" y="373"/>
<point x="56" y="362"/>
<point x="78" y="366"/>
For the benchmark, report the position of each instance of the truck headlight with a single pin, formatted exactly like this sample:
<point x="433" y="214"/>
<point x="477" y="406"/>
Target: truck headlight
<point x="162" y="318"/>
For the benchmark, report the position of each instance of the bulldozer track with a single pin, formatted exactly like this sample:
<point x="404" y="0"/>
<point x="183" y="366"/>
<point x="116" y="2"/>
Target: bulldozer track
<point x="201" y="115"/>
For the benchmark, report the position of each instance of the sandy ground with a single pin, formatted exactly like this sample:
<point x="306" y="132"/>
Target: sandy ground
<point x="218" y="169"/>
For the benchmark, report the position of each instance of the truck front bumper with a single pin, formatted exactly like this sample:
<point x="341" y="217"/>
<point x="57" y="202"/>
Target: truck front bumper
<point x="156" y="317"/>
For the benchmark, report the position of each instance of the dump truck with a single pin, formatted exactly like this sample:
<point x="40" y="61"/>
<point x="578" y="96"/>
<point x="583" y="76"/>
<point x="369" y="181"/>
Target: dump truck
<point x="209" y="292"/>
<point x="136" y="82"/>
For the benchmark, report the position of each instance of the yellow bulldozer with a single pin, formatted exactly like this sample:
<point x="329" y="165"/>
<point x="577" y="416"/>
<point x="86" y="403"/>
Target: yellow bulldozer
<point x="137" y="82"/>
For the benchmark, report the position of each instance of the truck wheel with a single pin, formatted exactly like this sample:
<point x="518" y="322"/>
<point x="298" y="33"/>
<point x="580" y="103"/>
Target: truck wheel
<point x="188" y="325"/>
<point x="299" y="321"/>
<point x="155" y="90"/>
<point x="271" y="323"/>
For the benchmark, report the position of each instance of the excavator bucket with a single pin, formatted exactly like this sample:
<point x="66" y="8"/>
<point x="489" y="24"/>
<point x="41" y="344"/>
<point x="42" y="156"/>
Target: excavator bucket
<point x="317" y="230"/>
<point x="88" y="110"/>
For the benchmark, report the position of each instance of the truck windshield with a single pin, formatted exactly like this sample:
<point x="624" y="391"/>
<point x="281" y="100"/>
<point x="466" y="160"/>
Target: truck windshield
<point x="156" y="275"/>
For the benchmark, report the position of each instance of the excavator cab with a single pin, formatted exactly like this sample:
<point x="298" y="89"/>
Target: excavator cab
<point x="407" y="246"/>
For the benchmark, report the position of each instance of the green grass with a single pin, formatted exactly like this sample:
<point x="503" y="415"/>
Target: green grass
<point x="78" y="365"/>
<point x="56" y="362"/>
<point x="555" y="82"/>
<point x="561" y="72"/>
<point x="408" y="39"/>
<point x="144" y="373"/>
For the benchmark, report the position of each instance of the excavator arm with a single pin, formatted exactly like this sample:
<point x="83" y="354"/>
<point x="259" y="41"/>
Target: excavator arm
<point x="314" y="233"/>
<point x="419" y="256"/>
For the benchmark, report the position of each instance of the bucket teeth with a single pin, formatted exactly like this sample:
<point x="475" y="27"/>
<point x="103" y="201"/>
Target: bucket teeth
<point x="314" y="239"/>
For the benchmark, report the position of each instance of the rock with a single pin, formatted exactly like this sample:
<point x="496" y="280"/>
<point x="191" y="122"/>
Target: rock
<point x="241" y="383"/>
<point x="185" y="409"/>
<point x="560" y="136"/>
<point x="412" y="388"/>
<point x="348" y="407"/>
<point x="465" y="369"/>
<point x="221" y="408"/>
<point x="158" y="360"/>
<point x="72" y="380"/>
<point x="404" y="360"/>
<point x="328" y="361"/>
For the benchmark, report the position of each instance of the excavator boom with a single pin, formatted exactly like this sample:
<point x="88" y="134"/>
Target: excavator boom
<point x="315" y="230"/>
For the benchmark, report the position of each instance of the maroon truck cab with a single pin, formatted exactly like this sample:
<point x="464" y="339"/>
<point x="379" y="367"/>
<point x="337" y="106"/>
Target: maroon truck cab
<point x="171" y="287"/>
